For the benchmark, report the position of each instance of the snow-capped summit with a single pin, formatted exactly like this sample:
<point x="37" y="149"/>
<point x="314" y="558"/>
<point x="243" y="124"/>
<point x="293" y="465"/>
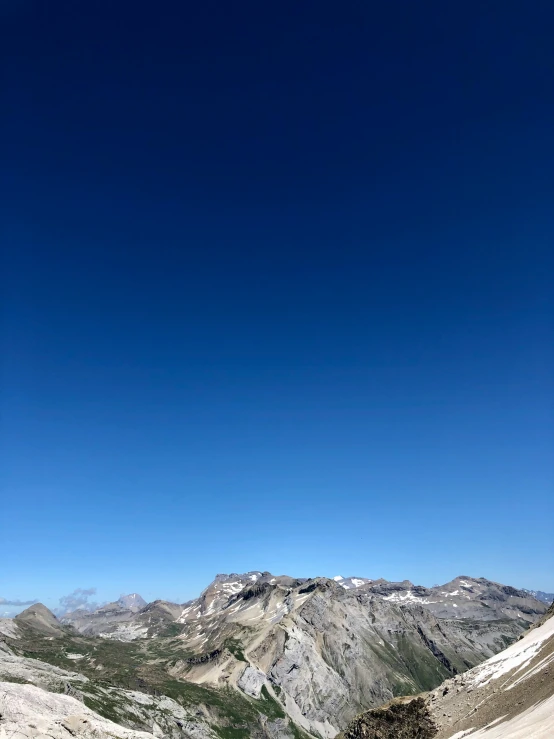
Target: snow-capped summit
<point x="133" y="601"/>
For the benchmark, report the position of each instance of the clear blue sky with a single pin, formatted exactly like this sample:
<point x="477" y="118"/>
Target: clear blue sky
<point x="277" y="290"/>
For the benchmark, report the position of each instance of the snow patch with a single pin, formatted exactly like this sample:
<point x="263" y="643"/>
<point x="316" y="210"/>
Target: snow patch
<point x="534" y="723"/>
<point x="517" y="655"/>
<point x="408" y="597"/>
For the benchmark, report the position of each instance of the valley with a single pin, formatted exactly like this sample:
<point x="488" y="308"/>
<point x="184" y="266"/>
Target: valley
<point x="257" y="655"/>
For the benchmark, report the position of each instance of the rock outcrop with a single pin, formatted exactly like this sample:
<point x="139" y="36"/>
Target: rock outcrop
<point x="399" y="720"/>
<point x="27" y="711"/>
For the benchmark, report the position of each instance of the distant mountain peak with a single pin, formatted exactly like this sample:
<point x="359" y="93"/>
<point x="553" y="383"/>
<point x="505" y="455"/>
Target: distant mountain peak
<point x="546" y="598"/>
<point x="252" y="575"/>
<point x="37" y="609"/>
<point x="133" y="601"/>
<point x="39" y="617"/>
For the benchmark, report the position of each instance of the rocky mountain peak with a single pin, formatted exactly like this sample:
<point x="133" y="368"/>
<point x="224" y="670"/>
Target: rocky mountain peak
<point x="37" y="610"/>
<point x="252" y="576"/>
<point x="133" y="601"/>
<point x="39" y="617"/>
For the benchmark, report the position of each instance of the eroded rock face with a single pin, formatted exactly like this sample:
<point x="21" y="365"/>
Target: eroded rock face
<point x="410" y="720"/>
<point x="27" y="711"/>
<point x="340" y="652"/>
<point x="251" y="681"/>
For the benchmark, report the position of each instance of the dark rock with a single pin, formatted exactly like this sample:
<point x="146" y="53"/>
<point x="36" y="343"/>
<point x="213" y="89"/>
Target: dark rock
<point x="396" y="721"/>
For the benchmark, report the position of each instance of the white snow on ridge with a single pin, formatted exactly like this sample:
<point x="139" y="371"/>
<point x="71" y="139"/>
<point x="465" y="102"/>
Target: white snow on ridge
<point x="517" y="655"/>
<point x="348" y="583"/>
<point x="539" y="667"/>
<point x="408" y="597"/>
<point x="232" y="587"/>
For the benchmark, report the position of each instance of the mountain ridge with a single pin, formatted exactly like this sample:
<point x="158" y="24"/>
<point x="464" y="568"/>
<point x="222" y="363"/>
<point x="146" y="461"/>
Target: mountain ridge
<point x="310" y="653"/>
<point x="403" y="590"/>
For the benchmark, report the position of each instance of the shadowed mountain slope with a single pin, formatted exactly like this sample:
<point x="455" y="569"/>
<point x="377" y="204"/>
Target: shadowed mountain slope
<point x="509" y="696"/>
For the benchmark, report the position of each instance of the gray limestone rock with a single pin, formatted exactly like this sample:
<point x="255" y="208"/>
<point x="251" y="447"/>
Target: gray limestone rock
<point x="251" y="681"/>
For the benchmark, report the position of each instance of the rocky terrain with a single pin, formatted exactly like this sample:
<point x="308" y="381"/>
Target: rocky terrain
<point x="399" y="719"/>
<point x="30" y="711"/>
<point x="38" y="698"/>
<point x="509" y="696"/>
<point x="257" y="655"/>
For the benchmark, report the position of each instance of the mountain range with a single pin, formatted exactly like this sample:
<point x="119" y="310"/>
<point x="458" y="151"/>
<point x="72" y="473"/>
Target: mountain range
<point x="547" y="598"/>
<point x="258" y="655"/>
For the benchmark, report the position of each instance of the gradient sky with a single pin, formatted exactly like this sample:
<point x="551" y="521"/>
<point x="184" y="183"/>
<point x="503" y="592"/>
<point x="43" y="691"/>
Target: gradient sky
<point x="277" y="293"/>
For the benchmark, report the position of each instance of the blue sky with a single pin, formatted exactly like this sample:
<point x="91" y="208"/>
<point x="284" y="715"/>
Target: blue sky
<point x="277" y="295"/>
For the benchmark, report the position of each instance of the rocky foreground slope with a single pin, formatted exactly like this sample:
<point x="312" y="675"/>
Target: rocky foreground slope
<point x="262" y="656"/>
<point x="27" y="711"/>
<point x="509" y="696"/>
